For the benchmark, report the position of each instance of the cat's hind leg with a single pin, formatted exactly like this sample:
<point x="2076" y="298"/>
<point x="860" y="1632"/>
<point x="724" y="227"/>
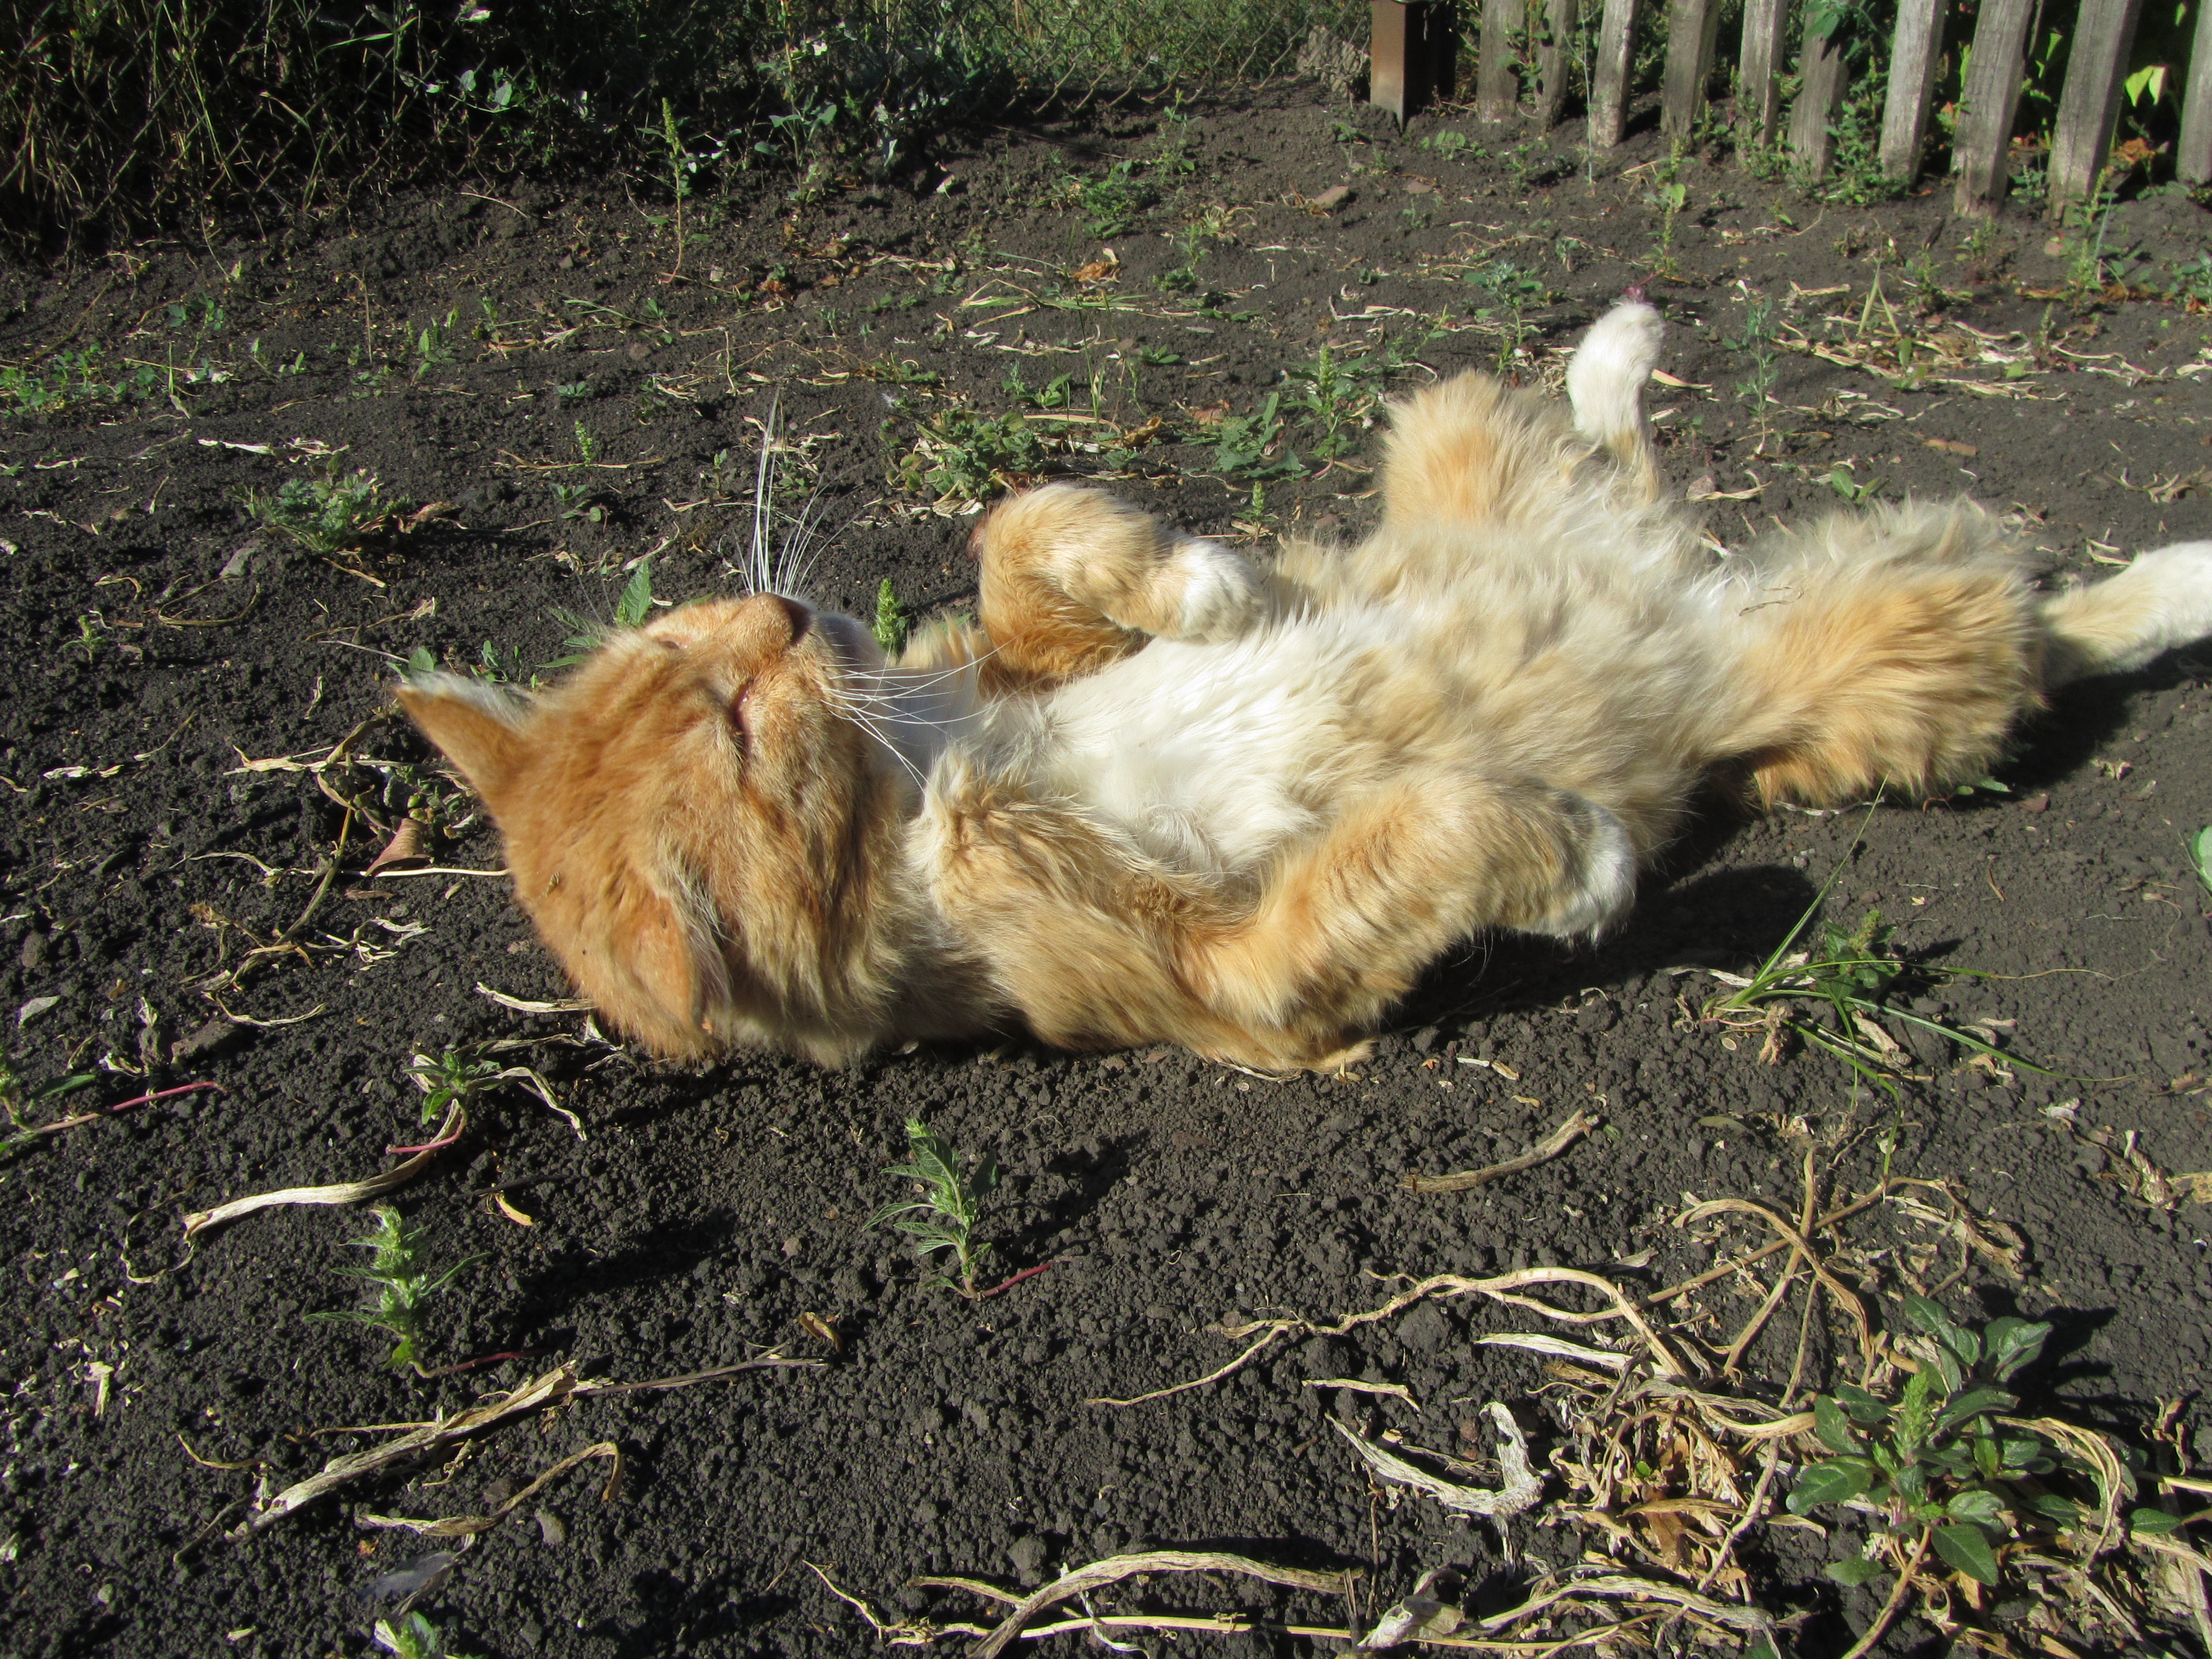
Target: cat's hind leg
<point x="1075" y="579"/>
<point x="1892" y="650"/>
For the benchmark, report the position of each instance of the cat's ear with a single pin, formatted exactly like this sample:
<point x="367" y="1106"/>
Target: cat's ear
<point x="476" y="726"/>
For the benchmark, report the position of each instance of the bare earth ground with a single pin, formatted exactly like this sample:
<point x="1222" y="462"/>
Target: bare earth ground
<point x="164" y="648"/>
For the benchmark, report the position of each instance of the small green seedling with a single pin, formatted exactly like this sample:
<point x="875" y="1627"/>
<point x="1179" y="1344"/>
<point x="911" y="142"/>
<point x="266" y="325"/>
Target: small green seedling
<point x="403" y="1284"/>
<point x="18" y="1099"/>
<point x="890" y="624"/>
<point x="943" y="1218"/>
<point x="588" y="444"/>
<point x="450" y="1079"/>
<point x="414" y="1636"/>
<point x="1935" y="1465"/>
<point x="2200" y="857"/>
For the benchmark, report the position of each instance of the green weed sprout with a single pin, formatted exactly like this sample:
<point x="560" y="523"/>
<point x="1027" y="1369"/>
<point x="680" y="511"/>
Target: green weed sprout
<point x="450" y="1079"/>
<point x="890" y="627"/>
<point x="18" y="1098"/>
<point x="413" y="1637"/>
<point x="403" y="1284"/>
<point x="1849" y="975"/>
<point x="1756" y="341"/>
<point x="943" y="1218"/>
<point x="1937" y="1464"/>
<point x="1670" y="196"/>
<point x="2200" y="857"/>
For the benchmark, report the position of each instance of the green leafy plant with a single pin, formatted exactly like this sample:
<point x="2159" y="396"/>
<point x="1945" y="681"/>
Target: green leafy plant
<point x="334" y="513"/>
<point x="433" y="343"/>
<point x="680" y="169"/>
<point x="2200" y="857"/>
<point x="413" y="1637"/>
<point x="1843" y="479"/>
<point x="943" y="1218"/>
<point x="960" y="455"/>
<point x="890" y="627"/>
<point x="402" y="1283"/>
<point x="1755" y="339"/>
<point x="1243" y="444"/>
<point x="1845" y="978"/>
<point x="588" y="444"/>
<point x="634" y="604"/>
<point x="1670" y="196"/>
<point x="1507" y="287"/>
<point x="575" y="500"/>
<point x="450" y="1078"/>
<point x="1111" y="202"/>
<point x="1937" y="1466"/>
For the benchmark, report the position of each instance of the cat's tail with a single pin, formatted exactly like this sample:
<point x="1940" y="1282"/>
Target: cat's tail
<point x="2164" y="600"/>
<point x="1605" y="384"/>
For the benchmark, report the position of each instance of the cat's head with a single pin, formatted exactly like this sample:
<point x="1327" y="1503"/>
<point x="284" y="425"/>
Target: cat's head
<point x="703" y="834"/>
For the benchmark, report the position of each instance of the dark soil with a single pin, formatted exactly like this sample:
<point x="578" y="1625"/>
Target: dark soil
<point x="161" y="641"/>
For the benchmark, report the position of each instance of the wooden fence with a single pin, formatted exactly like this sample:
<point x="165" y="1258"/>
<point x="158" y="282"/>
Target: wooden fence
<point x="2088" y="107"/>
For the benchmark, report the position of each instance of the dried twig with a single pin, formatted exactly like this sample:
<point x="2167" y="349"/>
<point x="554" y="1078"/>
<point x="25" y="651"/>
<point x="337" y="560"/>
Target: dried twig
<point x="344" y="1191"/>
<point x="1520" y="1490"/>
<point x="1543" y="1152"/>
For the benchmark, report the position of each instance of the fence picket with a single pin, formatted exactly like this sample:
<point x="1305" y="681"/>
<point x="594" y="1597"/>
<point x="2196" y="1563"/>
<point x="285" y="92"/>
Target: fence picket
<point x="1691" y="26"/>
<point x="1913" y="50"/>
<point x="1497" y="90"/>
<point x="2095" y="63"/>
<point x="1820" y="95"/>
<point x="1759" y="73"/>
<point x="2193" y="154"/>
<point x="1994" y="74"/>
<point x="1558" y="28"/>
<point x="1616" y="36"/>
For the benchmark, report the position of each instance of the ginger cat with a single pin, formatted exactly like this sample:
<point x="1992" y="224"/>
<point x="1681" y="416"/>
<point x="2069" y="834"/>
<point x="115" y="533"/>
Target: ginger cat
<point x="1161" y="794"/>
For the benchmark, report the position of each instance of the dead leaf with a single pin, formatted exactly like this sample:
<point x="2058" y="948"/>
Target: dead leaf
<point x="1952" y="446"/>
<point x="404" y="848"/>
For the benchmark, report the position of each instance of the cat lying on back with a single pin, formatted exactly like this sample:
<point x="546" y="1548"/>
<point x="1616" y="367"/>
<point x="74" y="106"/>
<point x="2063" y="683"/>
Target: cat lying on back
<point x="1160" y="793"/>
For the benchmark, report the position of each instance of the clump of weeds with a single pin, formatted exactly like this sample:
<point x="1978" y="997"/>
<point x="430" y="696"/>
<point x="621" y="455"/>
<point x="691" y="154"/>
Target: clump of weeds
<point x="335" y="514"/>
<point x="1111" y="202"/>
<point x="960" y="455"/>
<point x="402" y="1281"/>
<point x="1944" y="1467"/>
<point x="1833" y="997"/>
<point x="942" y="1219"/>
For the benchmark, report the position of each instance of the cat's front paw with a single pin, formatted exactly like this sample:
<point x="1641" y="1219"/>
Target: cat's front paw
<point x="1601" y="886"/>
<point x="1216" y="595"/>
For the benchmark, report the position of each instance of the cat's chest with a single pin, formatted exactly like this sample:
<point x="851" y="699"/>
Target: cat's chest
<point x="1214" y="755"/>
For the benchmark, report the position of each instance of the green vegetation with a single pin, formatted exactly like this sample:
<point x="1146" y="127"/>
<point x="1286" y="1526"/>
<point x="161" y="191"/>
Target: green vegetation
<point x="69" y="379"/>
<point x="1940" y="1465"/>
<point x="943" y="1218"/>
<point x="131" y="114"/>
<point x="402" y="1283"/>
<point x="336" y="512"/>
<point x="18" y="1099"/>
<point x="890" y="627"/>
<point x="961" y="455"/>
<point x="413" y="1637"/>
<point x="1755" y="339"/>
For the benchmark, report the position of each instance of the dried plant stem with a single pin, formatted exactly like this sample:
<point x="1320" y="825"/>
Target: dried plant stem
<point x="1887" y="1616"/>
<point x="1549" y="1148"/>
<point x="1699" y="1281"/>
<point x="1503" y="1288"/>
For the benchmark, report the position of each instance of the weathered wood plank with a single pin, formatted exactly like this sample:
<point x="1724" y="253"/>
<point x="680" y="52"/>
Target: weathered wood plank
<point x="2192" y="154"/>
<point x="2104" y="34"/>
<point x="1820" y="96"/>
<point x="1496" y="88"/>
<point x="1989" y="101"/>
<point x="1759" y="72"/>
<point x="1553" y="63"/>
<point x="1616" y="37"/>
<point x="1691" y="26"/>
<point x="1912" y="53"/>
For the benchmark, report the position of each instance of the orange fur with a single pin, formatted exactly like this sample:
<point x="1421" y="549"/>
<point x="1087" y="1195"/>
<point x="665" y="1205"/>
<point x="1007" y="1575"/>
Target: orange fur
<point x="1159" y="794"/>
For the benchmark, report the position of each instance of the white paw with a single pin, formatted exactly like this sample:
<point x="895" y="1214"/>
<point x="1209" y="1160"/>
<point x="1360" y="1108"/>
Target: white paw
<point x="1220" y="595"/>
<point x="1605" y="381"/>
<point x="1604" y="886"/>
